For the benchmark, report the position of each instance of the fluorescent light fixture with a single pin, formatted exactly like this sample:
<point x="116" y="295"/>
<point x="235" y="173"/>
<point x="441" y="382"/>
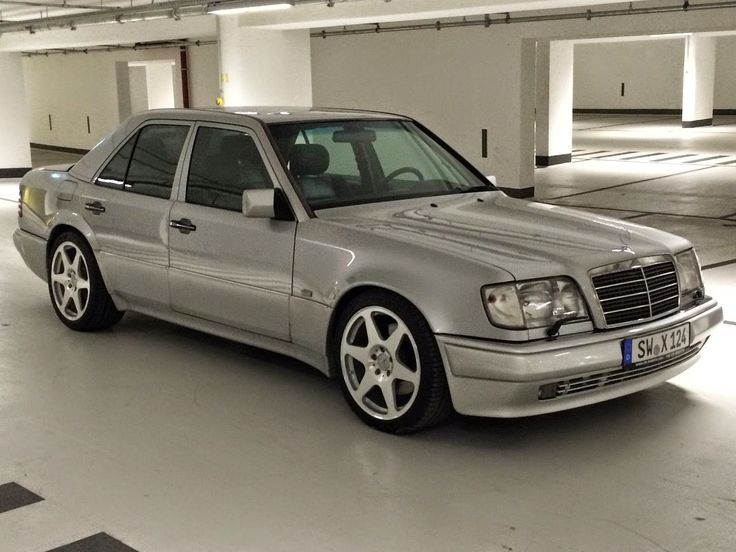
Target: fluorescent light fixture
<point x="670" y="35"/>
<point x="232" y="7"/>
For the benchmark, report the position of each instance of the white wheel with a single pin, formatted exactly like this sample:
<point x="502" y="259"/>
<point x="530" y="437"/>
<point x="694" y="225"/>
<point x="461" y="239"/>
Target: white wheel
<point x="78" y="293"/>
<point x="70" y="281"/>
<point x="380" y="363"/>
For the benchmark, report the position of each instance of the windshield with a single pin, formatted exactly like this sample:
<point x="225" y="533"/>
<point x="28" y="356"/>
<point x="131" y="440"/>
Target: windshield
<point x="364" y="161"/>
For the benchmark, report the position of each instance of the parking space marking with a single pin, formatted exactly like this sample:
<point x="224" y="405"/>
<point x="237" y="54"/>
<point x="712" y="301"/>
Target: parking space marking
<point x="14" y="496"/>
<point x="661" y="177"/>
<point x="718" y="264"/>
<point x="706" y="159"/>
<point x="101" y="542"/>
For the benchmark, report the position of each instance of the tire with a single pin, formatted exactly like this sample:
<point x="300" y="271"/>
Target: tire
<point x="78" y="293"/>
<point x="391" y="371"/>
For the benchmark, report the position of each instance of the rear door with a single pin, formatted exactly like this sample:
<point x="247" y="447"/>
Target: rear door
<point x="128" y="209"/>
<point x="225" y="267"/>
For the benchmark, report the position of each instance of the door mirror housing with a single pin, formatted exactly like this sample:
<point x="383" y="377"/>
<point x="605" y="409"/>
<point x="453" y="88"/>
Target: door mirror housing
<point x="259" y="203"/>
<point x="267" y="203"/>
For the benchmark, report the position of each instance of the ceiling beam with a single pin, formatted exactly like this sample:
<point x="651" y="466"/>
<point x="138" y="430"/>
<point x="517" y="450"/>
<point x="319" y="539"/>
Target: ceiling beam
<point x="63" y="5"/>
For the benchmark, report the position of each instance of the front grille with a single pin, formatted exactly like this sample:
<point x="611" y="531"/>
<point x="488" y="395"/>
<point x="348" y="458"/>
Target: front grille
<point x="620" y="375"/>
<point x="641" y="292"/>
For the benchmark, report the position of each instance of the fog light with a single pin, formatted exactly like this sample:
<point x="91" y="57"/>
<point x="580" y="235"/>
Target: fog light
<point x="547" y="391"/>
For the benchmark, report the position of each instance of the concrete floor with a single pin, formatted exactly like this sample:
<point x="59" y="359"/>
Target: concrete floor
<point x="171" y="440"/>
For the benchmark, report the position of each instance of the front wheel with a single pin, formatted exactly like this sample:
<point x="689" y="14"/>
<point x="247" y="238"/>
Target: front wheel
<point x="391" y="371"/>
<point x="78" y="293"/>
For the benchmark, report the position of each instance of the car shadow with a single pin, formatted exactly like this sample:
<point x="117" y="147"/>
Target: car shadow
<point x="626" y="419"/>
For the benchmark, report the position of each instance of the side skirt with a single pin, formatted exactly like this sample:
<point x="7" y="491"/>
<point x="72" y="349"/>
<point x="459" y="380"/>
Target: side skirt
<point x="311" y="358"/>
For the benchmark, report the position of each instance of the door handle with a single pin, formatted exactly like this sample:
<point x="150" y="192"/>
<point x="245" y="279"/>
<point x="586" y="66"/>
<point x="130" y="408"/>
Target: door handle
<point x="183" y="225"/>
<point x="95" y="207"/>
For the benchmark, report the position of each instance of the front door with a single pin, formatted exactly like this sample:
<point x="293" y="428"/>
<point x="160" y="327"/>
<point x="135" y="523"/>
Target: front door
<point x="225" y="267"/>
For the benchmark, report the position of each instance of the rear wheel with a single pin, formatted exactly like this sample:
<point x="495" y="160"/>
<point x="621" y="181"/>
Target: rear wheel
<point x="391" y="370"/>
<point x="77" y="291"/>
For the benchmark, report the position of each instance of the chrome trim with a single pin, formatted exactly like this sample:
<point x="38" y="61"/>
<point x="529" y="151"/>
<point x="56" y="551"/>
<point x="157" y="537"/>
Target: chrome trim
<point x="632" y="264"/>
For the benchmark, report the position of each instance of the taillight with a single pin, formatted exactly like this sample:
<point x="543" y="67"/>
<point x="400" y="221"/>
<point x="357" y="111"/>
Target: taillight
<point x="20" y="204"/>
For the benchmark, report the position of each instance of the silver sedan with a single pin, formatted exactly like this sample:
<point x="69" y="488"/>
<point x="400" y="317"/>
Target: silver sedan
<point x="365" y="246"/>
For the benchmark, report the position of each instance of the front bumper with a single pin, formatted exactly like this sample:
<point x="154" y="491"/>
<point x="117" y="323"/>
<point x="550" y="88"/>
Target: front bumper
<point x="488" y="378"/>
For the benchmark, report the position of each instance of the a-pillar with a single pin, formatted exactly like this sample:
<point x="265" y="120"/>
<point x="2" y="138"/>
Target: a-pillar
<point x="15" y="123"/>
<point x="554" y="103"/>
<point x="698" y="81"/>
<point x="263" y="67"/>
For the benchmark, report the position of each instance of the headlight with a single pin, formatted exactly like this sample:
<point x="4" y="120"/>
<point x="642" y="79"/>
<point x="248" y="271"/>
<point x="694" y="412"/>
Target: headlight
<point x="688" y="272"/>
<point x="535" y="304"/>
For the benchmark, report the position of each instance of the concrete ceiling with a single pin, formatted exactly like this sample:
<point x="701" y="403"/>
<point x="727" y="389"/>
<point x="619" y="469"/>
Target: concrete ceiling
<point x="358" y="12"/>
<point x="307" y="14"/>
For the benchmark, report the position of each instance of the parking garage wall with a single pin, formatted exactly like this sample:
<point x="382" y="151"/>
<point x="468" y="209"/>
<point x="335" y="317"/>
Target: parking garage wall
<point x="725" y="93"/>
<point x="629" y="75"/>
<point x="651" y="72"/>
<point x="203" y="75"/>
<point x="63" y="90"/>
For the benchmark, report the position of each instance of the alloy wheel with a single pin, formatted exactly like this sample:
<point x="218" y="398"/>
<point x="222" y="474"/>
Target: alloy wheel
<point x="380" y="363"/>
<point x="70" y="281"/>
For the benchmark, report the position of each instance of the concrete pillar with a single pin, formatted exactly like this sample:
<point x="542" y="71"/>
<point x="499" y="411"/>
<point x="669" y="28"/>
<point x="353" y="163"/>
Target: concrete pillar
<point x="15" y="120"/>
<point x="525" y="115"/>
<point x="698" y="81"/>
<point x="263" y="67"/>
<point x="554" y="103"/>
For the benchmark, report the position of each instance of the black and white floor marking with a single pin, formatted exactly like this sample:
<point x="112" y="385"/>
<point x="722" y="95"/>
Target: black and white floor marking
<point x="14" y="496"/>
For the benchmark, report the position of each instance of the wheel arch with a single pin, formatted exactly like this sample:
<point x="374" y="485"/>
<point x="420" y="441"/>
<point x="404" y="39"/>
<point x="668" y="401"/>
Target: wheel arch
<point x="342" y="301"/>
<point x="57" y="231"/>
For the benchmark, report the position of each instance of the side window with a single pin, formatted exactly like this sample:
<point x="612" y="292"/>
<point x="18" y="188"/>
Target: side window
<point x="113" y="176"/>
<point x="156" y="154"/>
<point x="146" y="164"/>
<point x="224" y="163"/>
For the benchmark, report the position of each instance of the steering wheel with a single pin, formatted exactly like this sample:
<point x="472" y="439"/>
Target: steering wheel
<point x="402" y="170"/>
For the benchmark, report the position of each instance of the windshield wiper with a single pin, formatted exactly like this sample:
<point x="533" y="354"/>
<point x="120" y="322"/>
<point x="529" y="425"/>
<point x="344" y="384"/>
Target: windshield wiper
<point x="480" y="188"/>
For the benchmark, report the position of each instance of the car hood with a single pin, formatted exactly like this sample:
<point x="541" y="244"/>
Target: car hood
<point x="524" y="238"/>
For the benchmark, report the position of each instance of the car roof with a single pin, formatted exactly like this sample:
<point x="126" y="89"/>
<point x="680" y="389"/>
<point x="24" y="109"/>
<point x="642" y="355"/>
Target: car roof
<point x="278" y="114"/>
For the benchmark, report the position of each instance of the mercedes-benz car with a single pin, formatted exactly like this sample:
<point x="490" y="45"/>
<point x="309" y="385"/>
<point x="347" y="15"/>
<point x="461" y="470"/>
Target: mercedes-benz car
<point x="365" y="246"/>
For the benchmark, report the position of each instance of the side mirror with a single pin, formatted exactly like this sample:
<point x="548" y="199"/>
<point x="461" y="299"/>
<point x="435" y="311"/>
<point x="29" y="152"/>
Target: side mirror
<point x="491" y="178"/>
<point x="259" y="203"/>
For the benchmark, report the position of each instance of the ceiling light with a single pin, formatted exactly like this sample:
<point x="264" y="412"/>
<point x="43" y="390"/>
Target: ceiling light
<point x="231" y="7"/>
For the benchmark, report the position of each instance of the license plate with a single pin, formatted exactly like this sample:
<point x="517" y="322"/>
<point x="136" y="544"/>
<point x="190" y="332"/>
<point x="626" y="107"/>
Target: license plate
<point x="659" y="346"/>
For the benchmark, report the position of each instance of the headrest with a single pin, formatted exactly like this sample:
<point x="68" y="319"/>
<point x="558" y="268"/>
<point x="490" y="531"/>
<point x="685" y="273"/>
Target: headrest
<point x="308" y="159"/>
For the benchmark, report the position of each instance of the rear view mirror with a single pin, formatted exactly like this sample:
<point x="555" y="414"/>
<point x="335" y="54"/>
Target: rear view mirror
<point x="352" y="135"/>
<point x="259" y="203"/>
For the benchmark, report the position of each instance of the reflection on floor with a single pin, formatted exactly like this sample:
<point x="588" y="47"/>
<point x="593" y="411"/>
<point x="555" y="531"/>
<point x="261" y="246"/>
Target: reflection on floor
<point x="170" y="440"/>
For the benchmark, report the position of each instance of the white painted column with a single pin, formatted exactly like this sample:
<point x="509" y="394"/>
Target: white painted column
<point x="263" y="67"/>
<point x="511" y="117"/>
<point x="15" y="120"/>
<point x="698" y="81"/>
<point x="524" y="186"/>
<point x="554" y="103"/>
